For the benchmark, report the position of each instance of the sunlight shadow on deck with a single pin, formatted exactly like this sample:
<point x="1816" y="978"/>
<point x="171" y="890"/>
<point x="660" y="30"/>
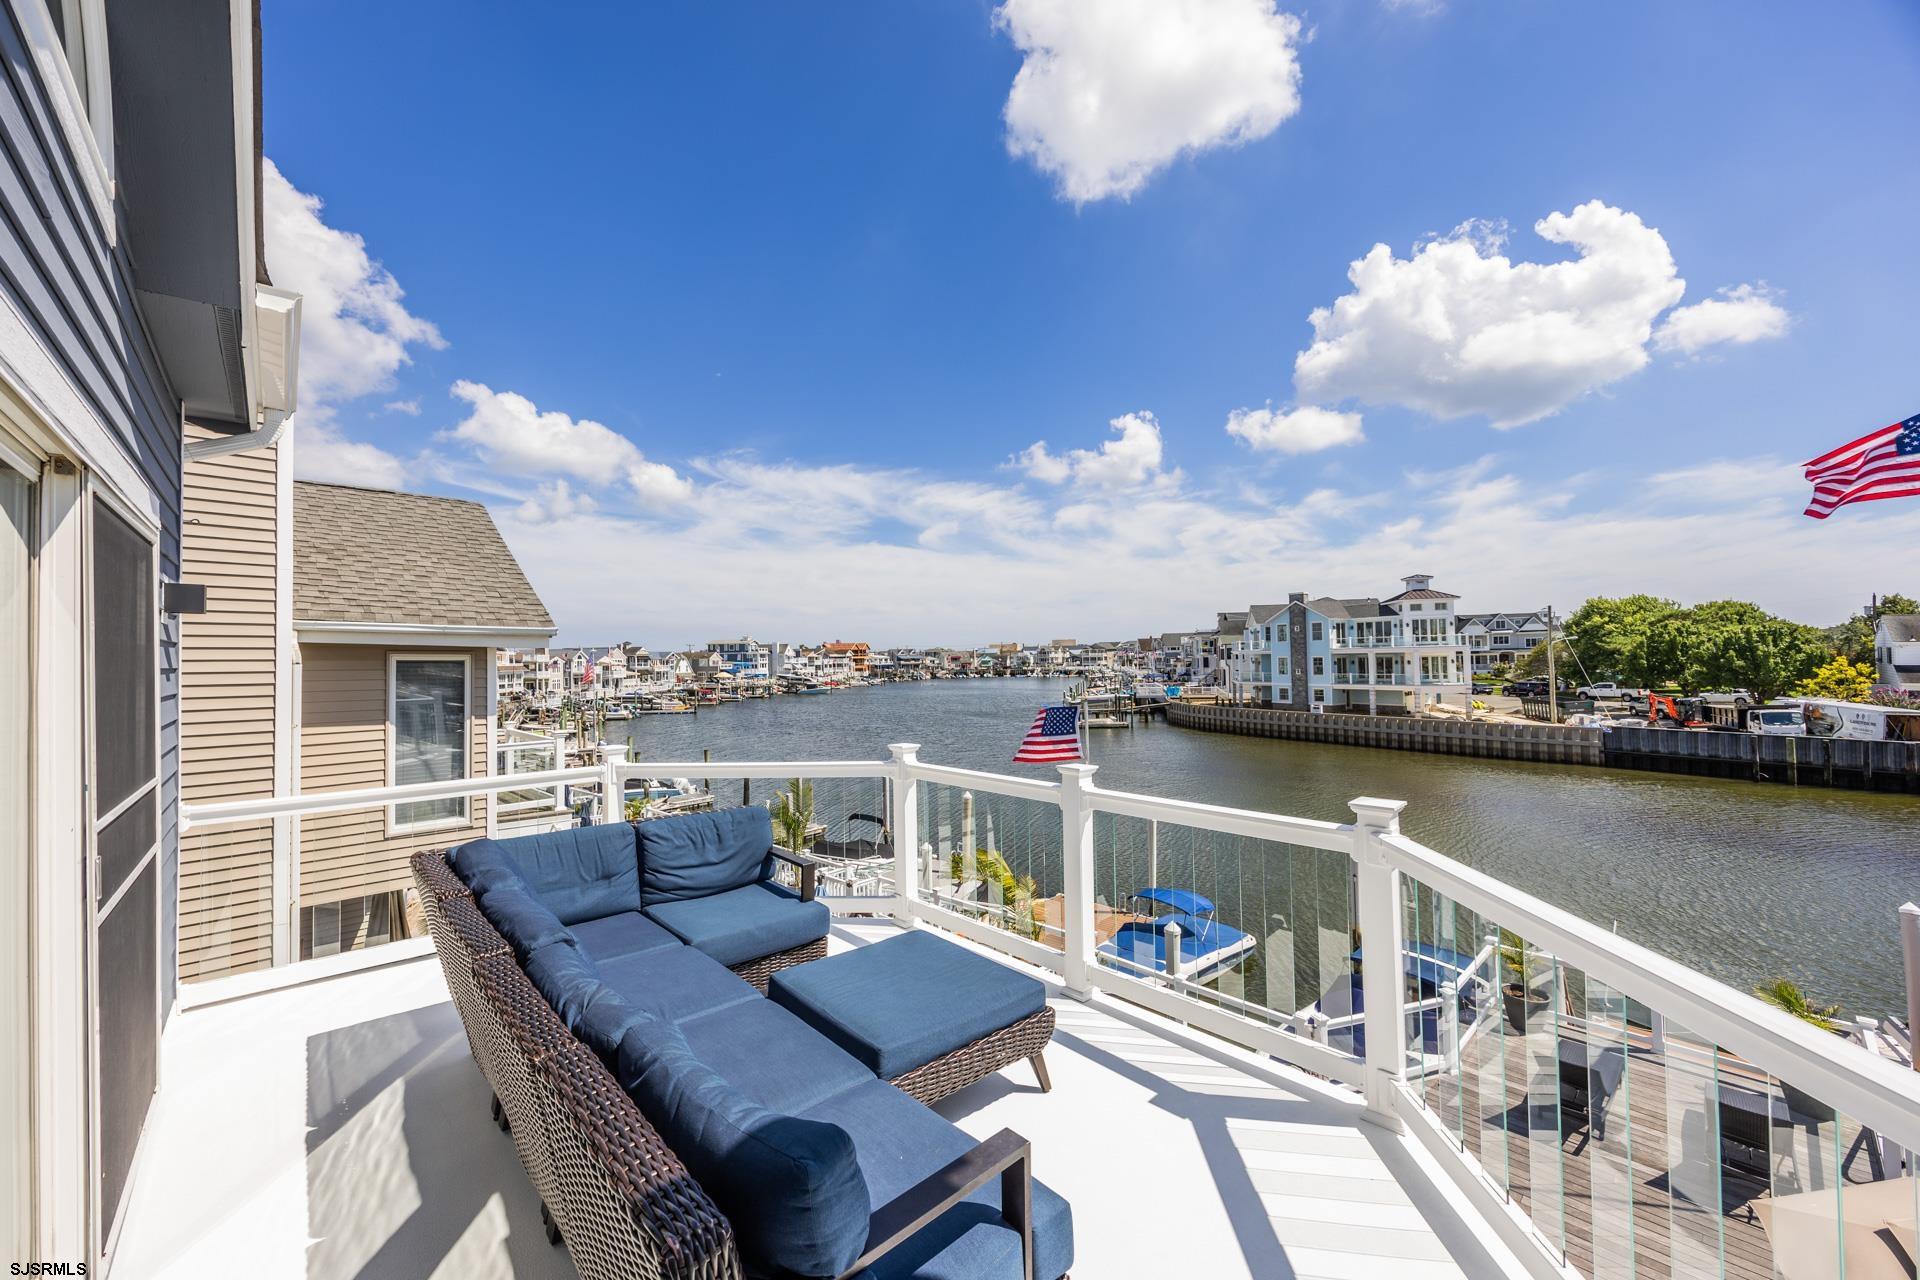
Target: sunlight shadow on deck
<point x="406" y="1174"/>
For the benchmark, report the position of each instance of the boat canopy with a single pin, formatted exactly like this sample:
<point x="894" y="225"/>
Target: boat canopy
<point x="1430" y="964"/>
<point x="1184" y="900"/>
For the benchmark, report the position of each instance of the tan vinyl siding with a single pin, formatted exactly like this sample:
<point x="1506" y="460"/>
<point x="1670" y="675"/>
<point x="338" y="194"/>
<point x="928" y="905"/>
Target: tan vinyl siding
<point x="227" y="679"/>
<point x="343" y="746"/>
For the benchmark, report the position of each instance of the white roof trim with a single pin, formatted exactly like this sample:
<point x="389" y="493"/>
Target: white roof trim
<point x="417" y="633"/>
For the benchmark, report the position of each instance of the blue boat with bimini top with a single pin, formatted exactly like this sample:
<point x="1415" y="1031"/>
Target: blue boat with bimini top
<point x="1207" y="947"/>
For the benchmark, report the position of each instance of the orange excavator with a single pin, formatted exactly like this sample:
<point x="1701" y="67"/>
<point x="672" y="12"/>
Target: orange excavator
<point x="1665" y="711"/>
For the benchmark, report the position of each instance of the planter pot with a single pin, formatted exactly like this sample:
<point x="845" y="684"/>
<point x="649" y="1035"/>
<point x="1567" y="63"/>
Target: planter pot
<point x="1513" y="998"/>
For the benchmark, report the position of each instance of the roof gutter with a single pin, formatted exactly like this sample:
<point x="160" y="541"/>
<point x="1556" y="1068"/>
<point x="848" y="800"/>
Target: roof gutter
<point x="277" y="358"/>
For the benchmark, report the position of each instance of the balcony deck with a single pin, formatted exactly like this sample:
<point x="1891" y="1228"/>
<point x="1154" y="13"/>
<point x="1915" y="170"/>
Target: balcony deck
<point x="339" y="1128"/>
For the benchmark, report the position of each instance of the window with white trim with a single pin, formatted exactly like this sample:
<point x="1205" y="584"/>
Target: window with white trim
<point x="428" y="700"/>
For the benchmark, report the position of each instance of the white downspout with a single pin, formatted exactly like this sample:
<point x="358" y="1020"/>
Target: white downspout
<point x="273" y="425"/>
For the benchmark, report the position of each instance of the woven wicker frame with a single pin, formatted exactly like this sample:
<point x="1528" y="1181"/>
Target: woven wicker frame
<point x="954" y="1071"/>
<point x="625" y="1204"/>
<point x="760" y="972"/>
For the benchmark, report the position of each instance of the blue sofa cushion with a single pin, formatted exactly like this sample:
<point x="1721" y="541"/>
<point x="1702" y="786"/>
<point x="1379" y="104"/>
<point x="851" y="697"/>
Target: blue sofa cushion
<point x="791" y="1187"/>
<point x="522" y="919"/>
<point x="900" y="1003"/>
<point x="483" y="864"/>
<point x="582" y="874"/>
<point x="770" y="1056"/>
<point x="692" y="855"/>
<point x="563" y="974"/>
<point x="676" y="982"/>
<point x="746" y="923"/>
<point x="899" y="1142"/>
<point x="627" y="934"/>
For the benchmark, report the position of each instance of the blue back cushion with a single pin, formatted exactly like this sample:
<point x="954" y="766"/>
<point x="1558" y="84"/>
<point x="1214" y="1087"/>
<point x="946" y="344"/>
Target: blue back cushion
<point x="522" y="919"/>
<point x="693" y="855"/>
<point x="582" y="874"/>
<point x="484" y="863"/>
<point x="792" y="1188"/>
<point x="567" y="977"/>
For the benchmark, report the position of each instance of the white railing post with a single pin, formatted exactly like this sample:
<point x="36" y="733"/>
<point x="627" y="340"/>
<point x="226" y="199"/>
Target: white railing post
<point x="1173" y="935"/>
<point x="1381" y="945"/>
<point x="906" y="829"/>
<point x="613" y="783"/>
<point x="1076" y="860"/>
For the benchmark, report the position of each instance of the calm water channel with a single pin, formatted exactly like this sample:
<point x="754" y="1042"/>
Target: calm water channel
<point x="1743" y="881"/>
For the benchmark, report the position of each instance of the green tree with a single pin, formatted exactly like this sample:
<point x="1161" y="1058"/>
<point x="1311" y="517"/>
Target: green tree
<point x="1838" y="678"/>
<point x="1631" y="639"/>
<point x="1731" y="644"/>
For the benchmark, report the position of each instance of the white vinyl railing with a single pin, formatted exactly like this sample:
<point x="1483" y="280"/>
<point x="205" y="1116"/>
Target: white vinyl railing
<point x="1389" y="871"/>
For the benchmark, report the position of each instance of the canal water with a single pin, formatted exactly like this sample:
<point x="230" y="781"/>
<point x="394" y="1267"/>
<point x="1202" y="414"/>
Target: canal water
<point x="1743" y="881"/>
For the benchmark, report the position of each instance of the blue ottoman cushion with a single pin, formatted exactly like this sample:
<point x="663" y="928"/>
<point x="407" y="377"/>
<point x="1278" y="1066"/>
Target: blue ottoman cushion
<point x="627" y="934"/>
<point x="899" y="1142"/>
<point x="692" y="855"/>
<point x="744" y="924"/>
<point x="900" y="1003"/>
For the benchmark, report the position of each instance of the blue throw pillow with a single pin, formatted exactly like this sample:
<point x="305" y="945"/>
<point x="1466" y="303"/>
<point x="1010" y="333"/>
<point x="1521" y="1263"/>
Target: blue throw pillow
<point x="567" y="977"/>
<point x="484" y="864"/>
<point x="792" y="1188"/>
<point x="695" y="855"/>
<point x="522" y="919"/>
<point x="605" y="1020"/>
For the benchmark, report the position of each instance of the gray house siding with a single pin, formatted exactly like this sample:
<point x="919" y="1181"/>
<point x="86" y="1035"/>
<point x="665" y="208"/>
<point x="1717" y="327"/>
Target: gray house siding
<point x="74" y="289"/>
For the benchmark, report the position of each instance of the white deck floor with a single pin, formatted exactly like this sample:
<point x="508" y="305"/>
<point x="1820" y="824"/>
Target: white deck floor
<point x="339" y="1129"/>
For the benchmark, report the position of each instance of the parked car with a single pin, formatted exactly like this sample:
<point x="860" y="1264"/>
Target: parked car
<point x="1530" y="688"/>
<point x="1482" y="688"/>
<point x="1730" y="697"/>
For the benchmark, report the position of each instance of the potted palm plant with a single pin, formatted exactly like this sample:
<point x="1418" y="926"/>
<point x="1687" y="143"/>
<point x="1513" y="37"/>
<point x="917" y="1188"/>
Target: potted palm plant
<point x="793" y="815"/>
<point x="1520" y="965"/>
<point x="1785" y="995"/>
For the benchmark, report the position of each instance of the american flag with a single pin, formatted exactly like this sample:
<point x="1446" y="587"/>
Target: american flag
<point x="1880" y="464"/>
<point x="1054" y="738"/>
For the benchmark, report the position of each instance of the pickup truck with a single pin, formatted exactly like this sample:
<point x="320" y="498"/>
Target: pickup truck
<point x="1605" y="689"/>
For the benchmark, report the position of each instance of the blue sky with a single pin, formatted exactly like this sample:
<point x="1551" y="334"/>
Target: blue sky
<point x="749" y="317"/>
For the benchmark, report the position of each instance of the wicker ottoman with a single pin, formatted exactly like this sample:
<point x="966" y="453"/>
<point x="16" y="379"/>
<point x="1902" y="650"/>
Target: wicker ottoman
<point x="926" y="1015"/>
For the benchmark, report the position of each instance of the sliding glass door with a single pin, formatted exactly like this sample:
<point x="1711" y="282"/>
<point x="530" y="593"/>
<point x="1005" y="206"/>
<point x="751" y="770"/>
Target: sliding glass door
<point x="18" y="497"/>
<point x="126" y="839"/>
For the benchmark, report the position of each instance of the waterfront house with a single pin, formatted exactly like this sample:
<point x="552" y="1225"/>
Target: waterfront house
<point x="1394" y="655"/>
<point x="1499" y="639"/>
<point x="746" y="657"/>
<point x="1896" y="652"/>
<point x="855" y="652"/>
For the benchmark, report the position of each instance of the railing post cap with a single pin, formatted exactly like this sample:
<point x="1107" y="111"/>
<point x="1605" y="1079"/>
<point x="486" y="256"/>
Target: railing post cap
<point x="903" y="750"/>
<point x="614" y="751"/>
<point x="1910" y="909"/>
<point x="1372" y="811"/>
<point x="1077" y="772"/>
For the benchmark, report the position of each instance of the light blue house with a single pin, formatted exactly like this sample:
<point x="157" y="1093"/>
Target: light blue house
<point x="1395" y="655"/>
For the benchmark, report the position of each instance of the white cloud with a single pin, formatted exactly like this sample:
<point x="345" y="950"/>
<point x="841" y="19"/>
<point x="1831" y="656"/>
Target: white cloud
<point x="509" y="432"/>
<point x="1458" y="328"/>
<point x="1307" y="429"/>
<point x="1112" y="91"/>
<point x="1745" y="313"/>
<point x="320" y="452"/>
<point x="356" y="330"/>
<point x="409" y="407"/>
<point x="1129" y="461"/>
<point x="555" y="500"/>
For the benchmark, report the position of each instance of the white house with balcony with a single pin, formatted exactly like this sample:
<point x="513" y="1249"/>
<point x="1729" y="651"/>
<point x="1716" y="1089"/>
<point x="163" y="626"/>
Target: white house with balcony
<point x="1397" y="655"/>
<point x="746" y="657"/>
<point x="1498" y="639"/>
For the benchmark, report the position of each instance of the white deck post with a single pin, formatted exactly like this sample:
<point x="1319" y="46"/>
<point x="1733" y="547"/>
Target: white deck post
<point x="613" y="784"/>
<point x="1076" y="859"/>
<point x="906" y="829"/>
<point x="1381" y="945"/>
<point x="1172" y="935"/>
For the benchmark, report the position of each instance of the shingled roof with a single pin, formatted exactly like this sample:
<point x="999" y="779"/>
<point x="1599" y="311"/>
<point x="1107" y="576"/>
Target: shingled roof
<point x="380" y="558"/>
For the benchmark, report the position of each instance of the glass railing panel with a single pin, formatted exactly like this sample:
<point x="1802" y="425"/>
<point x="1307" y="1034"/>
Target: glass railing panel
<point x="843" y="823"/>
<point x="1543" y="982"/>
<point x="1693" y="1158"/>
<point x="1602" y="1163"/>
<point x="995" y="858"/>
<point x="1267" y="927"/>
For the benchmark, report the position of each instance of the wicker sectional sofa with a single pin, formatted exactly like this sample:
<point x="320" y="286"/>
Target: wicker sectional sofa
<point x="673" y="1120"/>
